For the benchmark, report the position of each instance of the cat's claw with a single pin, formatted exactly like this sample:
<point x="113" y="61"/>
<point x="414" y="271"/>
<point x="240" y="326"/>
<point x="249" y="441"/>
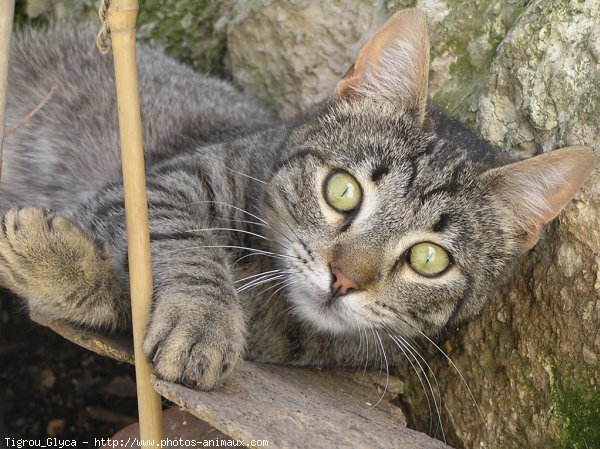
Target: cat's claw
<point x="191" y="349"/>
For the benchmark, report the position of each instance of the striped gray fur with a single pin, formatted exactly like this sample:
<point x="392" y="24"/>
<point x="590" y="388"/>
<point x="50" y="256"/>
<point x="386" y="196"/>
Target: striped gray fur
<point x="234" y="193"/>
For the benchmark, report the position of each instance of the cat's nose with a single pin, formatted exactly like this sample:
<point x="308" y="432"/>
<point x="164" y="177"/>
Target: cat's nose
<point x="341" y="284"/>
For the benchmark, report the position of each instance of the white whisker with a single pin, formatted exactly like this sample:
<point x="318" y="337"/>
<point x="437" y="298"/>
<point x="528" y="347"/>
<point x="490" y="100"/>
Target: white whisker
<point x="459" y="373"/>
<point x="378" y="350"/>
<point x="229" y="205"/>
<point x="420" y="380"/>
<point x="367" y="354"/>
<point x="228" y="229"/>
<point x="387" y="370"/>
<point x="235" y="220"/>
<point x="238" y="260"/>
<point x="258" y="282"/>
<point x="257" y="251"/>
<point x="241" y="231"/>
<point x="285" y="285"/>
<point x="453" y="366"/>
<point x="245" y="175"/>
<point x="358" y="350"/>
<point x="255" y="275"/>
<point x="438" y="408"/>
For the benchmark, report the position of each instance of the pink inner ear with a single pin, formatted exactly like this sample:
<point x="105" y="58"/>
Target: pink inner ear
<point x="538" y="189"/>
<point x="557" y="201"/>
<point x="393" y="64"/>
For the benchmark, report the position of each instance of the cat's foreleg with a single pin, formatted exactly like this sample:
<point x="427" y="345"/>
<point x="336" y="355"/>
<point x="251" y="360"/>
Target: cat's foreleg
<point x="196" y="331"/>
<point x="76" y="271"/>
<point x="60" y="271"/>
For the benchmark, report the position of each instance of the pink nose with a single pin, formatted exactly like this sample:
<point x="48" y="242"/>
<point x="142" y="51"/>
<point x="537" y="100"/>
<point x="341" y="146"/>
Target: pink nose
<point x="341" y="285"/>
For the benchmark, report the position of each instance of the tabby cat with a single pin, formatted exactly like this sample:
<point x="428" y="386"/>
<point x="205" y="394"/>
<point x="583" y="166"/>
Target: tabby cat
<point x="325" y="240"/>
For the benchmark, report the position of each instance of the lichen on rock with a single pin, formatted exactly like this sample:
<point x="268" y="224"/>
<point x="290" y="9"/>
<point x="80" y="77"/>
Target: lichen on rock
<point x="463" y="45"/>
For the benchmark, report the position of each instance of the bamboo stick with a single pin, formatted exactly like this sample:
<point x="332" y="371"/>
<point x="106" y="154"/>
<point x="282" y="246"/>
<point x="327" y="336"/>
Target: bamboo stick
<point x="122" y="16"/>
<point x="7" y="12"/>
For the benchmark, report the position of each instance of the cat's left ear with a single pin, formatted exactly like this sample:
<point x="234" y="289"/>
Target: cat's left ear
<point x="393" y="65"/>
<point x="534" y="191"/>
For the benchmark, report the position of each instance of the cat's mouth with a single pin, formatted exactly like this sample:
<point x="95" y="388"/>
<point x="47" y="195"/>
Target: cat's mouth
<point x="332" y="300"/>
<point x="326" y="310"/>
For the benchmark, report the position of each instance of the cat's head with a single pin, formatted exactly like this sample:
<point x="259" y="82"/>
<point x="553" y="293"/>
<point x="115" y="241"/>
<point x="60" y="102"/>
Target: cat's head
<point x="385" y="224"/>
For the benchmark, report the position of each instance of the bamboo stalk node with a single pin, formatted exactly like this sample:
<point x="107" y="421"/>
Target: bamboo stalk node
<point x="122" y="20"/>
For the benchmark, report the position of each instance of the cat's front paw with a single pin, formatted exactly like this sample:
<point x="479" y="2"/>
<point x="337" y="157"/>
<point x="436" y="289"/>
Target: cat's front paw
<point x="197" y="348"/>
<point x="59" y="270"/>
<point x="30" y="240"/>
<point x="43" y="254"/>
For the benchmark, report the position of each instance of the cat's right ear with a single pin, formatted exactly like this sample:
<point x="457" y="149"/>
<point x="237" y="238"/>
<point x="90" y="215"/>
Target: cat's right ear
<point x="534" y="191"/>
<point x="393" y="65"/>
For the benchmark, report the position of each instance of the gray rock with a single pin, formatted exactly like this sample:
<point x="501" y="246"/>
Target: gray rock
<point x="291" y="54"/>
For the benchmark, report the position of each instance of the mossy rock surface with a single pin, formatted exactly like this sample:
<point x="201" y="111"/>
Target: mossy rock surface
<point x="188" y="30"/>
<point x="578" y="412"/>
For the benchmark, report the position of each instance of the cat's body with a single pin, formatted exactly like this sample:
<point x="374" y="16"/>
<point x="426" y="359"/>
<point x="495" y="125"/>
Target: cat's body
<point x="234" y="193"/>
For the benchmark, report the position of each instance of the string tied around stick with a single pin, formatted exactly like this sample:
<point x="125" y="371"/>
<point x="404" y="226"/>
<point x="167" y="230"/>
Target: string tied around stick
<point x="103" y="40"/>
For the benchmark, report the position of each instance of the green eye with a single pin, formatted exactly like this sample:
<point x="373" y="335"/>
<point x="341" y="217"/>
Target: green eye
<point x="428" y="259"/>
<point x="342" y="192"/>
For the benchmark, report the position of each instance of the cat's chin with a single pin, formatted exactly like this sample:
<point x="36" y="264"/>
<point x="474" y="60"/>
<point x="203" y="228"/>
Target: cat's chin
<point x="325" y="315"/>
